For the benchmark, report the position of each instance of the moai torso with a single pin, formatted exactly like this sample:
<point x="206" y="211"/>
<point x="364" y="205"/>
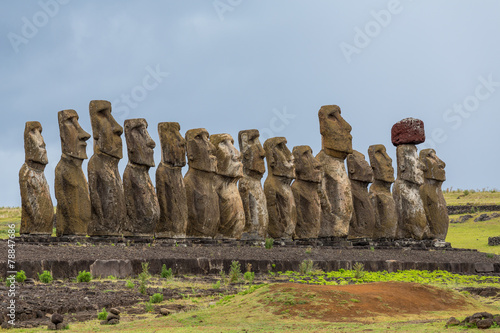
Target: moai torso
<point x="170" y="188"/>
<point x="37" y="210"/>
<point x="386" y="218"/>
<point x="412" y="222"/>
<point x="201" y="195"/>
<point x="250" y="186"/>
<point x="109" y="211"/>
<point x="432" y="195"/>
<point x="279" y="196"/>
<point x="361" y="175"/>
<point x="306" y="189"/>
<point x="229" y="170"/>
<point x="336" y="142"/>
<point x="71" y="187"/>
<point x="143" y="210"/>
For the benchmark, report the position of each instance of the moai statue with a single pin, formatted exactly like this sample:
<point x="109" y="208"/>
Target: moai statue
<point x="336" y="144"/>
<point x="412" y="222"/>
<point x="170" y="187"/>
<point x="201" y="195"/>
<point x="279" y="195"/>
<point x="229" y="170"/>
<point x="37" y="214"/>
<point x="386" y="217"/>
<point x="432" y="195"/>
<point x="250" y="186"/>
<point x="306" y="189"/>
<point x="72" y="189"/>
<point x="109" y="211"/>
<point x="143" y="209"/>
<point x="361" y="175"/>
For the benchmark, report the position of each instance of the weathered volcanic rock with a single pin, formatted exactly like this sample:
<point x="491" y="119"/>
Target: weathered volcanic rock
<point x="408" y="131"/>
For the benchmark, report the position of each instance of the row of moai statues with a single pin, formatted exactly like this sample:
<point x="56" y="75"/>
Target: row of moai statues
<point x="221" y="195"/>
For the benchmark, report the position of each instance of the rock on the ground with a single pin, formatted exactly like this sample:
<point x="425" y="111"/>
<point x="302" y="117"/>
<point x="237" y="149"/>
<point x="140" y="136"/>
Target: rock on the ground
<point x="113" y="322"/>
<point x="484" y="323"/>
<point x="52" y="327"/>
<point x="112" y="316"/>
<point x="165" y="312"/>
<point x="56" y="318"/>
<point x="408" y="131"/>
<point x="452" y="322"/>
<point x="482" y="218"/>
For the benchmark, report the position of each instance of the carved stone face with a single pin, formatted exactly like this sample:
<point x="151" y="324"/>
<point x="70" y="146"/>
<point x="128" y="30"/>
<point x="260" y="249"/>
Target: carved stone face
<point x="381" y="163"/>
<point x="140" y="146"/>
<point x="335" y="131"/>
<point x="432" y="165"/>
<point x="200" y="152"/>
<point x="307" y="167"/>
<point x="228" y="157"/>
<point x="358" y="167"/>
<point x="279" y="158"/>
<point x="252" y="151"/>
<point x="409" y="166"/>
<point x="107" y="132"/>
<point x="34" y="146"/>
<point x="73" y="137"/>
<point x="173" y="145"/>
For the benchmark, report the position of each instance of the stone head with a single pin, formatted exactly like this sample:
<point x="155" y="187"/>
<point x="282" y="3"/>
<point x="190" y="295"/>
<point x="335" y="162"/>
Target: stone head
<point x="73" y="137"/>
<point x="34" y="146"/>
<point x="307" y="167"/>
<point x="432" y="165"/>
<point x="358" y="168"/>
<point x="335" y="132"/>
<point x="279" y="158"/>
<point x="381" y="163"/>
<point x="140" y="146"/>
<point x="106" y="131"/>
<point x="409" y="166"/>
<point x="173" y="145"/>
<point x="252" y="151"/>
<point x="200" y="152"/>
<point x="228" y="157"/>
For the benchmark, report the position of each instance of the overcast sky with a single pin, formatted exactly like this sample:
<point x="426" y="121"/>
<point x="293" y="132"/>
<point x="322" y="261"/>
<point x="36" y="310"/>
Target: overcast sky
<point x="229" y="65"/>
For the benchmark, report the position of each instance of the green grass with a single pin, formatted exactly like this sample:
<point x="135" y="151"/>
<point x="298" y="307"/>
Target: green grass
<point x="476" y="198"/>
<point x="474" y="235"/>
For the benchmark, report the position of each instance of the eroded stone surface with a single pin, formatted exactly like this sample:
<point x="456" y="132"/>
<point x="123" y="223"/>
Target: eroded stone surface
<point x="279" y="195"/>
<point x="170" y="187"/>
<point x="71" y="187"/>
<point x="386" y="218"/>
<point x="143" y="209"/>
<point x="109" y="211"/>
<point x="412" y="222"/>
<point x="306" y="189"/>
<point x="432" y="195"/>
<point x="336" y="144"/>
<point x="361" y="175"/>
<point x="408" y="131"/>
<point x="229" y="170"/>
<point x="250" y="186"/>
<point x="37" y="210"/>
<point x="201" y="194"/>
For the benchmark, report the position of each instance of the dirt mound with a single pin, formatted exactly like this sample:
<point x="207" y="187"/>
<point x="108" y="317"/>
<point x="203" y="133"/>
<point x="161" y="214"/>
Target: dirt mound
<point x="360" y="302"/>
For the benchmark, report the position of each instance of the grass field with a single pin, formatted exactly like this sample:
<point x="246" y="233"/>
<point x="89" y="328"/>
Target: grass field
<point x="476" y="198"/>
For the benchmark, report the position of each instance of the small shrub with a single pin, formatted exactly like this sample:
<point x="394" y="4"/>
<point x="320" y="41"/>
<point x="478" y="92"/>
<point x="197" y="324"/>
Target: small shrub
<point x="149" y="307"/>
<point x="103" y="315"/>
<point x="466" y="192"/>
<point x="20" y="276"/>
<point x="249" y="276"/>
<point x="306" y="266"/>
<point x="45" y="277"/>
<point x="359" y="270"/>
<point x="112" y="277"/>
<point x="84" y="276"/>
<point x="156" y="298"/>
<point x="129" y="284"/>
<point x="234" y="271"/>
<point x="142" y="287"/>
<point x="216" y="285"/>
<point x="143" y="276"/>
<point x="269" y="243"/>
<point x="308" y="250"/>
<point x="166" y="273"/>
<point x="145" y="269"/>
